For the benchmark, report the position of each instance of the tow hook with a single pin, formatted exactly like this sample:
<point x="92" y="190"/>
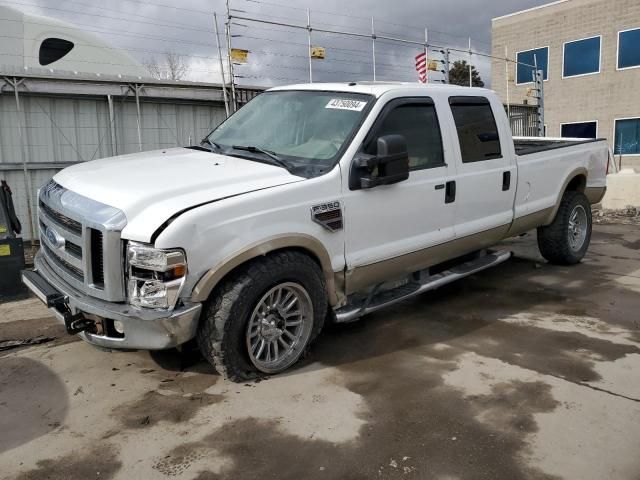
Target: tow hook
<point x="75" y="323"/>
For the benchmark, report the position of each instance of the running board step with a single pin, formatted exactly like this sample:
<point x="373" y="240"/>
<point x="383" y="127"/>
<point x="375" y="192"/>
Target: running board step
<point x="351" y="313"/>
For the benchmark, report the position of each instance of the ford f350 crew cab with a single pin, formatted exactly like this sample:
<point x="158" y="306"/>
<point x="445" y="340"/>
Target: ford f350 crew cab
<point x="312" y="202"/>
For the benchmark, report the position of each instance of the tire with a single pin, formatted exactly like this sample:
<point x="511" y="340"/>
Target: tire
<point x="566" y="240"/>
<point x="239" y="313"/>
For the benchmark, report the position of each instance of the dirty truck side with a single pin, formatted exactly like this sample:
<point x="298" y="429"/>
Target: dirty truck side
<point x="312" y="203"/>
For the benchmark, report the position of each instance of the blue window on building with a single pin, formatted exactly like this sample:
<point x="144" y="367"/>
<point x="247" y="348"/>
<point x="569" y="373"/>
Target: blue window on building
<point x="525" y="72"/>
<point x="581" y="57"/>
<point x="628" y="48"/>
<point x="579" y="130"/>
<point x="627" y="141"/>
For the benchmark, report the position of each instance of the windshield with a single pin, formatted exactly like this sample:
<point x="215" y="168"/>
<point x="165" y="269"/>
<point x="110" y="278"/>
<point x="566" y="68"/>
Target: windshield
<point x="307" y="127"/>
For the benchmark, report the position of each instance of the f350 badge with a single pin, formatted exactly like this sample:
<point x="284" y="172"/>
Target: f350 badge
<point x="329" y="215"/>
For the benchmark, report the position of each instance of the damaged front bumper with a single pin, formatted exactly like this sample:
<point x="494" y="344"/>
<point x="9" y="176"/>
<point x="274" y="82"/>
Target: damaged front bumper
<point x="93" y="319"/>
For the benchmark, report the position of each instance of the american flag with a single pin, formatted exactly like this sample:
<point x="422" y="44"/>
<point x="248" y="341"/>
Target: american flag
<point x="421" y="67"/>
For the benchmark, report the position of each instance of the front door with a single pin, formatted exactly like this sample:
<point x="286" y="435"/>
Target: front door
<point x="388" y="226"/>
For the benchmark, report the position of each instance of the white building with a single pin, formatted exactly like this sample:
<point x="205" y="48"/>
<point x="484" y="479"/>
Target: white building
<point x="589" y="51"/>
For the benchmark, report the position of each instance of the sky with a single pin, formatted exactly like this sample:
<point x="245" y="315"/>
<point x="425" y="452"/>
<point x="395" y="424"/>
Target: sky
<point x="278" y="55"/>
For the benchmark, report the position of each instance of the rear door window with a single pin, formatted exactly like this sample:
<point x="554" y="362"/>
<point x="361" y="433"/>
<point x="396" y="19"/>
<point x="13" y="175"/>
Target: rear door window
<point x="477" y="129"/>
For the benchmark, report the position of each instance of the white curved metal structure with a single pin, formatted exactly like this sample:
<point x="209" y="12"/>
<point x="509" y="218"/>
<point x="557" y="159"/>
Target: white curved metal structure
<point x="35" y="42"/>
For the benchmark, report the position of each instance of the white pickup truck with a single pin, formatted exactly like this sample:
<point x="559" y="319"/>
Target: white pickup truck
<point x="312" y="202"/>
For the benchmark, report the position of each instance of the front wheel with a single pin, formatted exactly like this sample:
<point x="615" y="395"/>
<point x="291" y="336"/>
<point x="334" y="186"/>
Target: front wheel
<point x="264" y="317"/>
<point x="279" y="327"/>
<point x="566" y="240"/>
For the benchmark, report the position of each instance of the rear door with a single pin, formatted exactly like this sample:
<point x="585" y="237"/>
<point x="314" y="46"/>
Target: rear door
<point x="486" y="169"/>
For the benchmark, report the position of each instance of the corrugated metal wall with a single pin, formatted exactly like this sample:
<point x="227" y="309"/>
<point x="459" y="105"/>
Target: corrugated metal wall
<point x="61" y="129"/>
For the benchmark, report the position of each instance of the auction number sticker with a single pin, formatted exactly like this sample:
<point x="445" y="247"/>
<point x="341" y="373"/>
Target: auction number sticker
<point x="5" y="250"/>
<point x="346" y="104"/>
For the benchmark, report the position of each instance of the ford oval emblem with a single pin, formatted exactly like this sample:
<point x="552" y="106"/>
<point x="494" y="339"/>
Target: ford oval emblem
<point x="55" y="239"/>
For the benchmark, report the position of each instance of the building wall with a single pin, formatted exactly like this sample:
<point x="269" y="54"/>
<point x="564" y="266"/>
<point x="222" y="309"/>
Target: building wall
<point x="602" y="97"/>
<point x="65" y="121"/>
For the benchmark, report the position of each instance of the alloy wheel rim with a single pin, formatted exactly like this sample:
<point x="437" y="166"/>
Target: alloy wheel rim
<point x="279" y="327"/>
<point x="578" y="225"/>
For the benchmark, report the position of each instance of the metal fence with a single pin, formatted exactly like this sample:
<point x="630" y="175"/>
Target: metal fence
<point x="523" y="120"/>
<point x="372" y="40"/>
<point x="49" y="123"/>
<point x="374" y="48"/>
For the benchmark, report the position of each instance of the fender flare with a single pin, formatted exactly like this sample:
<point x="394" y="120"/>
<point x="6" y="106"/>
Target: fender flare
<point x="574" y="173"/>
<point x="311" y="245"/>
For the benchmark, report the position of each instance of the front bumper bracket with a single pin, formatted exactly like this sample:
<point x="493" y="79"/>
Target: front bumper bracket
<point x="76" y="323"/>
<point x="88" y="316"/>
<point x="52" y="298"/>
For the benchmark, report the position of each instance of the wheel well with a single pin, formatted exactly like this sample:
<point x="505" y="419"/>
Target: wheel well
<point x="327" y="273"/>
<point x="302" y="250"/>
<point x="577" y="184"/>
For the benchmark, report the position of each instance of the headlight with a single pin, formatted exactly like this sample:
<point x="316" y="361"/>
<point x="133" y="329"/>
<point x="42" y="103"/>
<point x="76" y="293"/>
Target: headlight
<point x="156" y="275"/>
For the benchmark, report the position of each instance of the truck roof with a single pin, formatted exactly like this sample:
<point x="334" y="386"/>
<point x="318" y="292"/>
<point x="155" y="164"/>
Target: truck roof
<point x="379" y="88"/>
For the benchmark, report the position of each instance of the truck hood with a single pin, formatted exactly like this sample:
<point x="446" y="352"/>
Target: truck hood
<point x="151" y="187"/>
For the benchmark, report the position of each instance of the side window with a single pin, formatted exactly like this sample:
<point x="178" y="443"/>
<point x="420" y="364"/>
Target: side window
<point x="628" y="51"/>
<point x="418" y="124"/>
<point x="579" y="130"/>
<point x="477" y="129"/>
<point x="526" y="62"/>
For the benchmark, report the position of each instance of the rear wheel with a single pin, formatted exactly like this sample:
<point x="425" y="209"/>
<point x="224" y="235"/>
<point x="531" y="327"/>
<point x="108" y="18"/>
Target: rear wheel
<point x="264" y="317"/>
<point x="566" y="240"/>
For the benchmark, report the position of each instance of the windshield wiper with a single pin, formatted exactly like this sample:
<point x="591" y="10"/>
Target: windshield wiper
<point x="271" y="155"/>
<point x="214" y="145"/>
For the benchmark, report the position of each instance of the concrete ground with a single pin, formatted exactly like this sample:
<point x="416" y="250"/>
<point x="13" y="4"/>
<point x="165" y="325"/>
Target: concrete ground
<point x="520" y="372"/>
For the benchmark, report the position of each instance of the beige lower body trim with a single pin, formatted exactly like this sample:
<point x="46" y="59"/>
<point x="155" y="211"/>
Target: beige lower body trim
<point x="595" y="194"/>
<point x="360" y="278"/>
<point x="546" y="216"/>
<point x="531" y="221"/>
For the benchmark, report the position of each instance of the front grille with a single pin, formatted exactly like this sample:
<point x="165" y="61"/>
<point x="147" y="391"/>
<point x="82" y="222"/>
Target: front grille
<point x="97" y="258"/>
<point x="70" y="269"/>
<point x="73" y="249"/>
<point x="62" y="220"/>
<point x="81" y="241"/>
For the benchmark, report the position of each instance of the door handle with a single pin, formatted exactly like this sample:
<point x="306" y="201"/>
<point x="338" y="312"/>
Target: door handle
<point x="506" y="181"/>
<point x="450" y="192"/>
<point x="440" y="186"/>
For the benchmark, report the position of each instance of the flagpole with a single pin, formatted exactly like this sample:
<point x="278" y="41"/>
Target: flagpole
<point x="309" y="41"/>
<point x="224" y="82"/>
<point x="470" y="76"/>
<point x="373" y="48"/>
<point x="426" y="56"/>
<point x="506" y="71"/>
<point x="232" y="78"/>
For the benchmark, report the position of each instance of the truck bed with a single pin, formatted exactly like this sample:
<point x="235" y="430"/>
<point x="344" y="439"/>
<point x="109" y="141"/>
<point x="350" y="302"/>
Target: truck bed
<point x="529" y="145"/>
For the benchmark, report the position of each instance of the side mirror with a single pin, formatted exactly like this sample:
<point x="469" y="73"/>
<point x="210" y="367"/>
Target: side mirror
<point x="389" y="165"/>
